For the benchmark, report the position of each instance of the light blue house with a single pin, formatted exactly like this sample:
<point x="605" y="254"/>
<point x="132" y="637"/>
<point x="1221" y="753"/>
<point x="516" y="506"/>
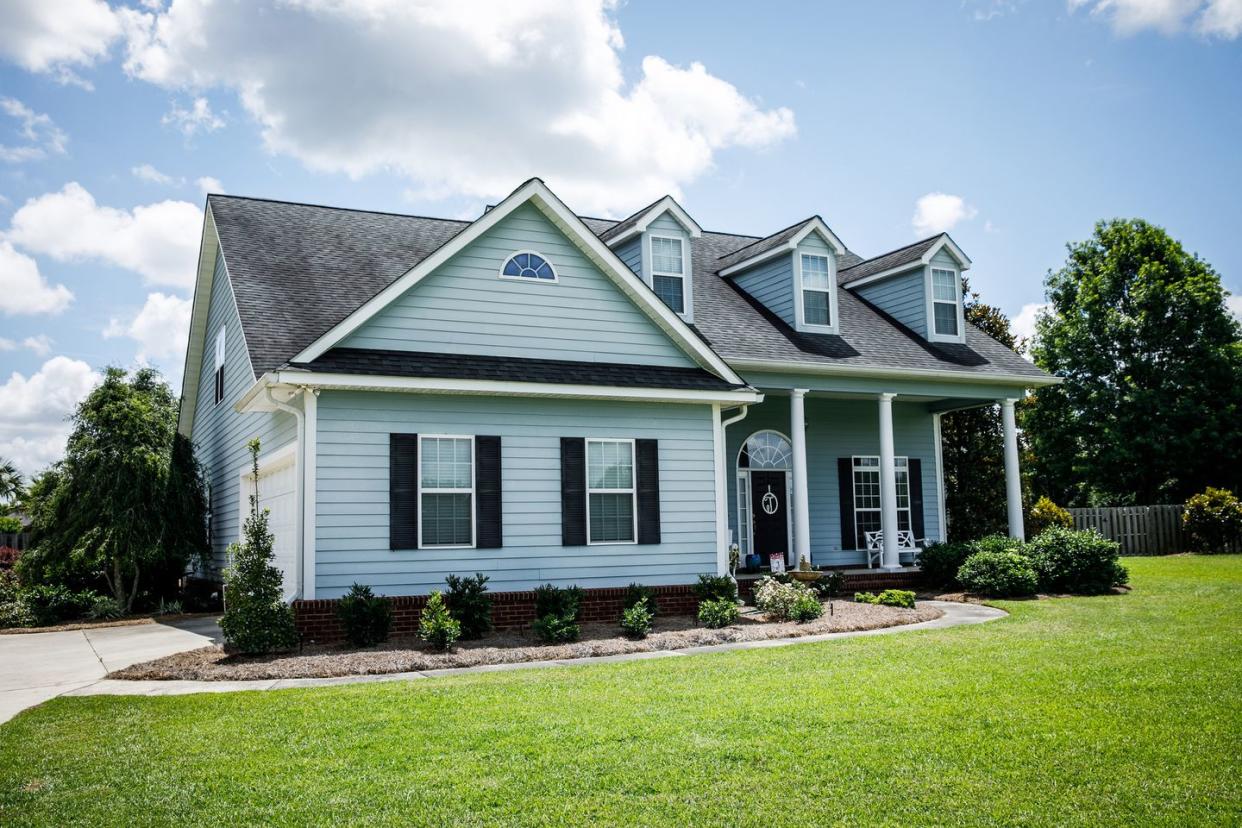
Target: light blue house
<point x="543" y="397"/>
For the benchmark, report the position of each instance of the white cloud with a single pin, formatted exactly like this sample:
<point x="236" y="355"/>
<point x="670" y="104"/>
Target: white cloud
<point x="1213" y="18"/>
<point x="1233" y="301"/>
<point x="1023" y="325"/>
<point x="207" y="184"/>
<point x="148" y="173"/>
<point x="198" y="117"/>
<point x="379" y="88"/>
<point x="939" y="213"/>
<point x="23" y="289"/>
<point x="158" y="241"/>
<point x="161" y="329"/>
<point x="33" y="419"/>
<point x="40" y="135"/>
<point x="54" y="38"/>
<point x="7" y="344"/>
<point x="41" y="344"/>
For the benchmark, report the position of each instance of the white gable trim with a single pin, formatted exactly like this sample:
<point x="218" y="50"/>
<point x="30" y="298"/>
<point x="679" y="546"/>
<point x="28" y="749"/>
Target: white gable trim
<point x="665" y="205"/>
<point x="815" y="225"/>
<point x="536" y="193"/>
<point x="943" y="243"/>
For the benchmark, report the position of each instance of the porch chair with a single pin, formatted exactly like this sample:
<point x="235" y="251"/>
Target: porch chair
<point x="907" y="546"/>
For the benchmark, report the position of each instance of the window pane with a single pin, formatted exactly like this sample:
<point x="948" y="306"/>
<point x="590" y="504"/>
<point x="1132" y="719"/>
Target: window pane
<point x="867" y="489"/>
<point x="743" y="518"/>
<point x="815" y="272"/>
<point x="668" y="288"/>
<point x="815" y="308"/>
<point x="446" y="463"/>
<point x="666" y="255"/>
<point x="610" y="465"/>
<point x="944" y="286"/>
<point x="946" y="318"/>
<point x="612" y="517"/>
<point x="903" y="489"/>
<point x="446" y="519"/>
<point x="865" y="522"/>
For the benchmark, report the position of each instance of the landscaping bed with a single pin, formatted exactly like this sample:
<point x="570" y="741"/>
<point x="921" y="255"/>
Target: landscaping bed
<point x="511" y="646"/>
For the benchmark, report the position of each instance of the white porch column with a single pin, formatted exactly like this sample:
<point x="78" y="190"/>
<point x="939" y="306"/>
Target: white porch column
<point x="888" y="485"/>
<point x="1013" y="480"/>
<point x="801" y="499"/>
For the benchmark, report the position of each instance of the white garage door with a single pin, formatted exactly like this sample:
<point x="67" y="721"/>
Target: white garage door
<point x="278" y="494"/>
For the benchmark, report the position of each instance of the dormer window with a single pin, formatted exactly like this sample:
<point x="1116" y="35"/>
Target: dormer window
<point x="816" y="291"/>
<point x="668" y="271"/>
<point x="946" y="303"/>
<point x="528" y="265"/>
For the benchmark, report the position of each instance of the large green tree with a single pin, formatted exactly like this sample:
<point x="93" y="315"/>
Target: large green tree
<point x="972" y="446"/>
<point x="127" y="502"/>
<point x="1150" y="407"/>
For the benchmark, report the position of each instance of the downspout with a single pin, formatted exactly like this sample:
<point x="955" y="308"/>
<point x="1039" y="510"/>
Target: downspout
<point x="300" y="419"/>
<point x="722" y="497"/>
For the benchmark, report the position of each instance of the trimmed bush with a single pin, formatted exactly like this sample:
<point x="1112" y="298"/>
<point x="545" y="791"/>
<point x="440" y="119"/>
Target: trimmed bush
<point x="806" y="608"/>
<point x="717" y="612"/>
<point x="777" y="599"/>
<point x="436" y="626"/>
<point x="557" y="629"/>
<point x="554" y="600"/>
<point x="903" y="598"/>
<point x="468" y="602"/>
<point x="998" y="574"/>
<point x="637" y="592"/>
<point x="55" y="604"/>
<point x="10" y="525"/>
<point x="1069" y="561"/>
<point x="866" y="598"/>
<point x="366" y="617"/>
<point x="1045" y="513"/>
<point x="636" y="619"/>
<point x="1213" y="520"/>
<point x="997" y="543"/>
<point x="941" y="561"/>
<point x="715" y="588"/>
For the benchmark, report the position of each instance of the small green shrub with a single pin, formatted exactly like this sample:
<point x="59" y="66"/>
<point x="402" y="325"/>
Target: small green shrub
<point x="941" y="561"/>
<point x="436" y="626"/>
<point x="806" y="608"/>
<point x="896" y="598"/>
<point x="1069" y="561"/>
<point x="1213" y="520"/>
<point x="998" y="574"/>
<point x="715" y="613"/>
<point x="168" y="608"/>
<point x="1045" y="513"/>
<point x="866" y="598"/>
<point x="105" y="608"/>
<point x="636" y="619"/>
<point x="637" y="592"/>
<point x="52" y="604"/>
<point x="556" y="629"/>
<point x="715" y="588"/>
<point x="467" y="601"/>
<point x="777" y="599"/>
<point x="366" y="617"/>
<point x="553" y="600"/>
<point x="831" y="585"/>
<point x="15" y="614"/>
<point x="10" y="525"/>
<point x="997" y="543"/>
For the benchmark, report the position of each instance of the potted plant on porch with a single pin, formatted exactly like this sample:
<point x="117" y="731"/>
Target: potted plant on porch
<point x="805" y="572"/>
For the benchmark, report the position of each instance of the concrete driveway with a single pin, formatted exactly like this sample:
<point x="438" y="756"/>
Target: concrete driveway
<point x="35" y="667"/>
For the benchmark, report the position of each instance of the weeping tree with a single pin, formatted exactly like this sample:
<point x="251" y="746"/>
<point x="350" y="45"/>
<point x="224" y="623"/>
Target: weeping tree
<point x="127" y="502"/>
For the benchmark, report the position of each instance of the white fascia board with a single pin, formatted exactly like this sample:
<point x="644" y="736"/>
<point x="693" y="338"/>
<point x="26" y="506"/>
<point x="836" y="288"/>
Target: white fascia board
<point x="208" y="249"/>
<point x="252" y="400"/>
<point x="893" y="373"/>
<point x="537" y="193"/>
<point x="665" y="205"/>
<point x="815" y="225"/>
<point x="946" y="243"/>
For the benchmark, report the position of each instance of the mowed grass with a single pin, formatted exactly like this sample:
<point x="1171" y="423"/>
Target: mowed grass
<point x="1108" y="710"/>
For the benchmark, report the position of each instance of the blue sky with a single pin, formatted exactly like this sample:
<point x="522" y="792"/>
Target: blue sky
<point x="1015" y="125"/>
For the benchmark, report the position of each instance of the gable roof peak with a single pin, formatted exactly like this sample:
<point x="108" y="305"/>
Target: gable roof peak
<point x="903" y="258"/>
<point x="636" y="223"/>
<point x="779" y="242"/>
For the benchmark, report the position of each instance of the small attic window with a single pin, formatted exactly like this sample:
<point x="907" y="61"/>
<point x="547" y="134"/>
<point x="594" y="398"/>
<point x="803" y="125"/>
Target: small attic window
<point x="528" y="265"/>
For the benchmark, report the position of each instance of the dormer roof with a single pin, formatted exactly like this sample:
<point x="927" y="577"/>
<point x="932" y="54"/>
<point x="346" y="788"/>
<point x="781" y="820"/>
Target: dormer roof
<point x="902" y="259"/>
<point x="637" y="223"/>
<point x="782" y="241"/>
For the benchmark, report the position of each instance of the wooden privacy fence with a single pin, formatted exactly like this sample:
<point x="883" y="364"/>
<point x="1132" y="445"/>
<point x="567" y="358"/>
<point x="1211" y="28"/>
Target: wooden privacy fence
<point x="18" y="540"/>
<point x="1141" y="530"/>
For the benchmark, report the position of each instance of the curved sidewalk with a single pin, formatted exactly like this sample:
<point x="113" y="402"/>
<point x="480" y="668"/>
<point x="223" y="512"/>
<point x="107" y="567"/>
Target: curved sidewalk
<point x="955" y="615"/>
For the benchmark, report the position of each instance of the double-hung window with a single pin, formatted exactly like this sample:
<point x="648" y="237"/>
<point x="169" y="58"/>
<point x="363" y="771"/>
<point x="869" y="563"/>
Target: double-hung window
<point x="218" y="374"/>
<point x="867" y="497"/>
<point x="668" y="271"/>
<point x="611" y="517"/>
<point x="946" y="302"/>
<point x="816" y="290"/>
<point x="446" y="491"/>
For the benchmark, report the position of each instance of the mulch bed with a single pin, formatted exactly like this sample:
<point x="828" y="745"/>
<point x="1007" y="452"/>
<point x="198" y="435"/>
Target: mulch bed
<point x="508" y="647"/>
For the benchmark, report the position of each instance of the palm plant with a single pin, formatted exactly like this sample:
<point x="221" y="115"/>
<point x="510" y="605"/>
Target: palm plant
<point x="10" y="481"/>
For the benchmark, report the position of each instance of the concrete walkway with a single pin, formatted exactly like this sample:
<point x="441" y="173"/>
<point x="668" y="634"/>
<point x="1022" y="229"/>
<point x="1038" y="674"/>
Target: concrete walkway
<point x="955" y="615"/>
<point x="35" y="667"/>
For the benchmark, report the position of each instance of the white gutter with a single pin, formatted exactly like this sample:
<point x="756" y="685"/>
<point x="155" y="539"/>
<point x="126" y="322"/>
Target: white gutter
<point x="299" y="482"/>
<point x="826" y="369"/>
<point x="722" y="498"/>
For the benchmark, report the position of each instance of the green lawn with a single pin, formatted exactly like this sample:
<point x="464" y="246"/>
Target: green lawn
<point x="1110" y="710"/>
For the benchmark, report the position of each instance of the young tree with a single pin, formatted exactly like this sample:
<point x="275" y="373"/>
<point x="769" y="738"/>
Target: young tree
<point x="126" y="501"/>
<point x="1152" y="362"/>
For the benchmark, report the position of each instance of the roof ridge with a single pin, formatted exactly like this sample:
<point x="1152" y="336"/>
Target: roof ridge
<point x="337" y="208"/>
<point x="770" y="235"/>
<point x="894" y="250"/>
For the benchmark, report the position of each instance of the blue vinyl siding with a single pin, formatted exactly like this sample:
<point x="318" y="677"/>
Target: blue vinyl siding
<point x="352" y="502"/>
<point x="466" y="308"/>
<point x="902" y="297"/>
<point x="632" y="254"/>
<point x="839" y="428"/>
<point x="220" y="434"/>
<point x="771" y="283"/>
<point x="944" y="259"/>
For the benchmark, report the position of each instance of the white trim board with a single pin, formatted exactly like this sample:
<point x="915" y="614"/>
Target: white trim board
<point x="814" y="225"/>
<point x="944" y="243"/>
<point x="669" y="205"/>
<point x="881" y="372"/>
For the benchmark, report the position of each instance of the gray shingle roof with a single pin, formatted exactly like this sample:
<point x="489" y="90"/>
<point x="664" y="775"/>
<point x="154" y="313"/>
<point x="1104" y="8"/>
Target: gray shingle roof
<point x="297" y="270"/>
<point x="896" y="258"/>
<point x="761" y="246"/>
<point x="627" y="222"/>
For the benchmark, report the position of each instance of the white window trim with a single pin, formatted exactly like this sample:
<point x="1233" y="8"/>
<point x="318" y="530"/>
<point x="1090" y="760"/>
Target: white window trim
<point x="556" y="277"/>
<point x="632" y="490"/>
<point x="687" y="284"/>
<point x="800" y="307"/>
<point x="221" y="357"/>
<point x="859" y="542"/>
<point x="929" y="291"/>
<point x="422" y="513"/>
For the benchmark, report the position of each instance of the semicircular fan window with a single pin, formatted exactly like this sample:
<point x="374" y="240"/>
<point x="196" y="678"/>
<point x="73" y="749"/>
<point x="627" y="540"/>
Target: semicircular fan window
<point x="527" y="265"/>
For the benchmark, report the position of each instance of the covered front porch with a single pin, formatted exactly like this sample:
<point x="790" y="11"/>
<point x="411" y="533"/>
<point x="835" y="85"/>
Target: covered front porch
<point x="822" y="472"/>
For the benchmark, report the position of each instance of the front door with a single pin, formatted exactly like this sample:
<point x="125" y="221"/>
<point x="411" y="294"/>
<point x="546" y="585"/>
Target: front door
<point x="769" y="514"/>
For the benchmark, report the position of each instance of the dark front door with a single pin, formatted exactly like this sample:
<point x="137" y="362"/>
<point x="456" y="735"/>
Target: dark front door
<point x="769" y="514"/>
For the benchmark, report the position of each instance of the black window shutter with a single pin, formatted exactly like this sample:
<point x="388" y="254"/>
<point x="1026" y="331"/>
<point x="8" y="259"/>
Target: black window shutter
<point x="647" y="462"/>
<point x="573" y="491"/>
<point x="916" y="497"/>
<point x="402" y="491"/>
<point x="845" y="479"/>
<point x="487" y="523"/>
